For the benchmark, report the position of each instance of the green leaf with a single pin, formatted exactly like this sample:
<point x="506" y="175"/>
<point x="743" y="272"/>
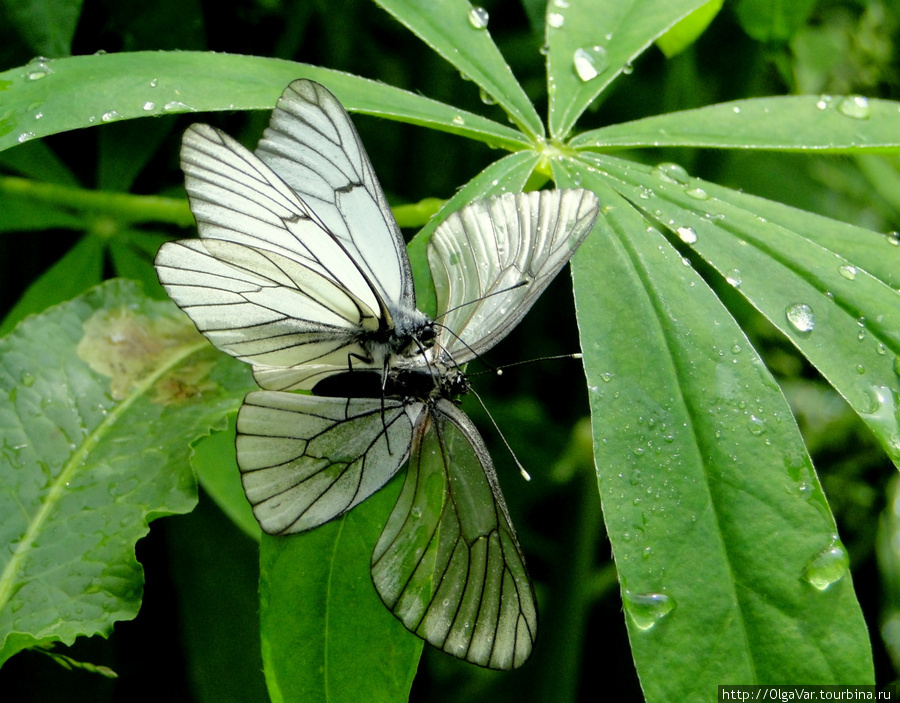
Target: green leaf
<point x="101" y="397"/>
<point x="144" y="84"/>
<point x="839" y="315"/>
<point x="825" y="124"/>
<point x="46" y="25"/>
<point x="215" y="463"/>
<point x="718" y="523"/>
<point x="326" y="635"/>
<point x="608" y="35"/>
<point x="688" y="30"/>
<point x="450" y="28"/>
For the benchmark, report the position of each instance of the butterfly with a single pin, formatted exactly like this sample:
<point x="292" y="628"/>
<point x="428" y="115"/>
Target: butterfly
<point x="301" y="271"/>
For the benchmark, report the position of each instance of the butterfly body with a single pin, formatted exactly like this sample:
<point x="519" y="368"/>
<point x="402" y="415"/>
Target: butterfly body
<point x="301" y="271"/>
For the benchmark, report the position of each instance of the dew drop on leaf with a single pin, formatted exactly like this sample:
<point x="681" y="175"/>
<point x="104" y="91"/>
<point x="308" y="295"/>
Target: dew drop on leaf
<point x="848" y="271"/>
<point x="673" y="173"/>
<point x="478" y="17"/>
<point x="801" y="317"/>
<point x="828" y="566"/>
<point x="647" y="609"/>
<point x="555" y="20"/>
<point x="687" y="235"/>
<point x="855" y="106"/>
<point x="590" y="62"/>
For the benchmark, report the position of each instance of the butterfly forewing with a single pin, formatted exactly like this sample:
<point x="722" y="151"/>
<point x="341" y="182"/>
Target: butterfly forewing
<point x="304" y="459"/>
<point x="481" y="254"/>
<point x="312" y="144"/>
<point x="447" y="563"/>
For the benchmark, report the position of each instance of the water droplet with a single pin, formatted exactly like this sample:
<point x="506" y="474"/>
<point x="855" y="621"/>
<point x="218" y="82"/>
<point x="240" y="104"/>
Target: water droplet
<point x="154" y="82"/>
<point x="687" y="235"/>
<point x="855" y="106"/>
<point x="110" y="116"/>
<point x="673" y="173"/>
<point x="848" y="272"/>
<point x="628" y="69"/>
<point x="829" y="566"/>
<point x="606" y="376"/>
<point x="893" y="238"/>
<point x="25" y="136"/>
<point x="696" y="193"/>
<point x="486" y="98"/>
<point x="148" y="106"/>
<point x="555" y="20"/>
<point x="801" y="317"/>
<point x="458" y="120"/>
<point x="38" y="67"/>
<point x="38" y="115"/>
<point x="647" y="609"/>
<point x="823" y="102"/>
<point x="562" y="4"/>
<point x="478" y="17"/>
<point x="589" y="62"/>
<point x="736" y="110"/>
<point x="733" y="277"/>
<point x="177" y="106"/>
<point x="756" y="425"/>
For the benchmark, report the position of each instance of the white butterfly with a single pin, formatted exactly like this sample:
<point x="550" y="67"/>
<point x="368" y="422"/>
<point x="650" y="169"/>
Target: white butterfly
<point x="301" y="271"/>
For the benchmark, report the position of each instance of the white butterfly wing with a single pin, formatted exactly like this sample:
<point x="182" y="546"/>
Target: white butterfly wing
<point x="448" y="564"/>
<point x="313" y="146"/>
<point x="493" y="258"/>
<point x="305" y="459"/>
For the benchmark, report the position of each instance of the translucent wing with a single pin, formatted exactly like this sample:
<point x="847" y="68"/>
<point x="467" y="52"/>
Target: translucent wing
<point x="484" y="251"/>
<point x="313" y="146"/>
<point x="306" y="459"/>
<point x="448" y="564"/>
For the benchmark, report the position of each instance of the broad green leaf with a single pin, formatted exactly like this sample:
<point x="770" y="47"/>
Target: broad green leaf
<point x="326" y="635"/>
<point x="688" y="30"/>
<point x="590" y="42"/>
<point x="839" y="315"/>
<point x="459" y="33"/>
<point x="101" y="398"/>
<point x="145" y="84"/>
<point x="79" y="269"/>
<point x="46" y="25"/>
<point x="215" y="464"/>
<point x="824" y="124"/>
<point x="730" y="565"/>
<point x="768" y="21"/>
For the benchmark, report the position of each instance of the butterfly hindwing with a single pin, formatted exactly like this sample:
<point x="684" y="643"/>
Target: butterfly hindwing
<point x="305" y="459"/>
<point x="448" y="564"/>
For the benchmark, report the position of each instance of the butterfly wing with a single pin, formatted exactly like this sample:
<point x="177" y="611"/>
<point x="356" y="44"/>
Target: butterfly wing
<point x="312" y="145"/>
<point x="305" y="459"/>
<point x="448" y="564"/>
<point x="493" y="258"/>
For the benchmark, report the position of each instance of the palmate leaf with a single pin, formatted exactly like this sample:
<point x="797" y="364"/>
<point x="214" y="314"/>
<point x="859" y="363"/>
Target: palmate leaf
<point x="102" y="397"/>
<point x="727" y="553"/>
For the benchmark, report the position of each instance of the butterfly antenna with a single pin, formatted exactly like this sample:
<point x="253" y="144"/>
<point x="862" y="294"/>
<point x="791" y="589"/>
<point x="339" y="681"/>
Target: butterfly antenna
<point x="499" y="369"/>
<point x="523" y="282"/>
<point x="521" y="468"/>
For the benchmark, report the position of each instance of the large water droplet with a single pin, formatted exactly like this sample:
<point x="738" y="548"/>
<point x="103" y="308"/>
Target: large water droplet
<point x="555" y="20"/>
<point x="25" y="136"/>
<point x="823" y="102"/>
<point x="458" y="120"/>
<point x="801" y="317"/>
<point x="855" y="106"/>
<point x="149" y="105"/>
<point x="110" y="116"/>
<point x="848" y="271"/>
<point x="38" y="67"/>
<point x="478" y="17"/>
<point x="733" y="277"/>
<point x="647" y="609"/>
<point x="828" y="566"/>
<point x="687" y="235"/>
<point x="590" y="62"/>
<point x="696" y="193"/>
<point x="673" y="173"/>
